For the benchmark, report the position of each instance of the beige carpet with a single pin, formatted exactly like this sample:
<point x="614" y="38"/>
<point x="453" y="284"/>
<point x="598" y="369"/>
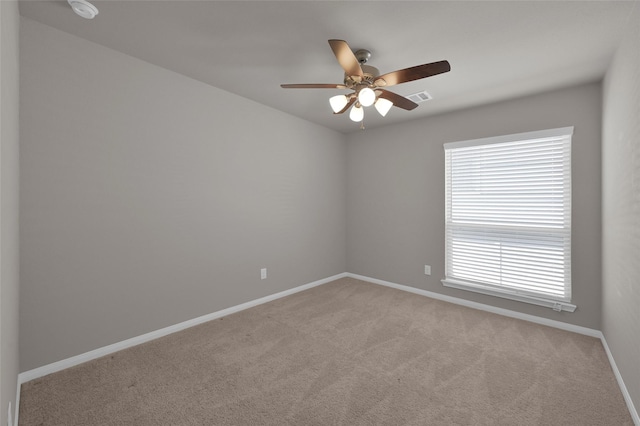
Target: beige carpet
<point x="344" y="353"/>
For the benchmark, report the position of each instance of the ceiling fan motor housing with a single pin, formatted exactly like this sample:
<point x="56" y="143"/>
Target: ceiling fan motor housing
<point x="370" y="74"/>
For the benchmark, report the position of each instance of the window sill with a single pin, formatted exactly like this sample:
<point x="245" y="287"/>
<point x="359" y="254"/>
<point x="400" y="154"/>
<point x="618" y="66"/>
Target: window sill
<point x="553" y="304"/>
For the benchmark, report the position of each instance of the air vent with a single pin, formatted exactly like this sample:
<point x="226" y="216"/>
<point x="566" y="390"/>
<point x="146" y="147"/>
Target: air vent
<point x="419" y="97"/>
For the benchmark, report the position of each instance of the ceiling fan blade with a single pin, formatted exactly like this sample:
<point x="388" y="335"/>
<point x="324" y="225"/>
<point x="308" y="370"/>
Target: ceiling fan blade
<point x="399" y="101"/>
<point x="346" y="58"/>
<point x="414" y="73"/>
<point x="313" y="86"/>
<point x="346" y="107"/>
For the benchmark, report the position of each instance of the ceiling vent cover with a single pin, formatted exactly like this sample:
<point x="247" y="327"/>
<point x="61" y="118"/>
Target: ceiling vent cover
<point x="419" y="97"/>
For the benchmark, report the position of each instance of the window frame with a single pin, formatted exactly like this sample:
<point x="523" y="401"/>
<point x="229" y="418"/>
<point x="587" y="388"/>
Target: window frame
<point x="556" y="303"/>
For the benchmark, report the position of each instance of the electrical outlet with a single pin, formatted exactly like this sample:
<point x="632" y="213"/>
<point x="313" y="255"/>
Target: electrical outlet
<point x="427" y="270"/>
<point x="263" y="273"/>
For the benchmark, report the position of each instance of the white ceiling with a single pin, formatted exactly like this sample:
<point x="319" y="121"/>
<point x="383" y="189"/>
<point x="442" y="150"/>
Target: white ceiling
<point x="497" y="50"/>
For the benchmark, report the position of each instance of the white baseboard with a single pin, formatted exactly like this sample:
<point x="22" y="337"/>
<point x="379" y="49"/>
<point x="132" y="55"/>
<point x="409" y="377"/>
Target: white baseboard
<point x="481" y="306"/>
<point x="17" y="409"/>
<point x="106" y="350"/>
<point x="526" y="317"/>
<point x="134" y="341"/>
<point x="623" y="387"/>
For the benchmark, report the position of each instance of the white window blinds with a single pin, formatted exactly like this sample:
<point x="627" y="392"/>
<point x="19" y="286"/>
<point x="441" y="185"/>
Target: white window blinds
<point x="508" y="216"/>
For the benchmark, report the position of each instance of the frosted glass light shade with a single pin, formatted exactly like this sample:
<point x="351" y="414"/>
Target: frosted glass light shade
<point x="338" y="102"/>
<point x="356" y="114"/>
<point x="366" y="97"/>
<point x="383" y="106"/>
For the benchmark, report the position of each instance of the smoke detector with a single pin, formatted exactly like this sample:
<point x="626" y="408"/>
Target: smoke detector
<point x="83" y="8"/>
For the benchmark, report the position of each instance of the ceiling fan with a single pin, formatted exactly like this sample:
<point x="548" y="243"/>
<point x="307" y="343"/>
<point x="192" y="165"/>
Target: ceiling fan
<point x="367" y="83"/>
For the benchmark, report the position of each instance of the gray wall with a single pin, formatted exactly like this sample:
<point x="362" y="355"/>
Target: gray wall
<point x="395" y="208"/>
<point x="9" y="266"/>
<point x="149" y="198"/>
<point x="621" y="209"/>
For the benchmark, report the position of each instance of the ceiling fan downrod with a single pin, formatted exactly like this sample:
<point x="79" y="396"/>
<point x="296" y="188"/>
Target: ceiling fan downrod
<point x="363" y="56"/>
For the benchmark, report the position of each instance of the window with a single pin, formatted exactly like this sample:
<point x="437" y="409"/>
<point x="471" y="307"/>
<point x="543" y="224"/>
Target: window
<point x="508" y="217"/>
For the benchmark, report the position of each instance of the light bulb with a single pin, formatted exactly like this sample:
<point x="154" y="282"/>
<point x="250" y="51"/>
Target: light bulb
<point x="338" y="102"/>
<point x="356" y="114"/>
<point x="383" y="106"/>
<point x="366" y="97"/>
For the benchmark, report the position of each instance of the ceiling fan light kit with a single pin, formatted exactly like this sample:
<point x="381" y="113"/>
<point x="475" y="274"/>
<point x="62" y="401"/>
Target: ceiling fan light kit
<point x="367" y="83"/>
<point x="338" y="102"/>
<point x="383" y="106"/>
<point x="366" y="97"/>
<point x="357" y="113"/>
